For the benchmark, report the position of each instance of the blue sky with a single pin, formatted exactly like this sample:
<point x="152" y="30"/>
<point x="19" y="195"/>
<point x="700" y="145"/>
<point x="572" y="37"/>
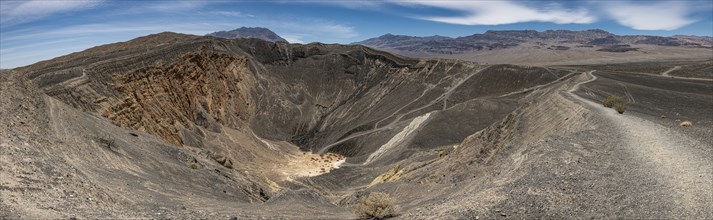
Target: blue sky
<point x="32" y="31"/>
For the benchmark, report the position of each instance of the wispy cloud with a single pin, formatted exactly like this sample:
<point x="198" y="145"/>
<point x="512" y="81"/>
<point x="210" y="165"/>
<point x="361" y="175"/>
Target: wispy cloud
<point x="226" y="14"/>
<point x="88" y="30"/>
<point x="20" y="58"/>
<point x="35" y="45"/>
<point x="668" y="15"/>
<point x="639" y="15"/>
<point x="170" y="6"/>
<point x="154" y="8"/>
<point x="326" y="27"/>
<point x="293" y="38"/>
<point x="18" y="12"/>
<point x="306" y="28"/>
<point x="353" y="4"/>
<point x="503" y="12"/>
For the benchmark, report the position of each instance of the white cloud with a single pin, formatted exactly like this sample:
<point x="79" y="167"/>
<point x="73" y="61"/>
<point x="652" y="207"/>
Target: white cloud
<point x="338" y="30"/>
<point x="293" y="38"/>
<point x="669" y="15"/>
<point x="352" y="4"/>
<point x="227" y="13"/>
<point x="20" y="58"/>
<point x="12" y="49"/>
<point x="309" y="28"/>
<point x="503" y="12"/>
<point x="17" y="12"/>
<point x="170" y="6"/>
<point x="89" y="30"/>
<point x="130" y="8"/>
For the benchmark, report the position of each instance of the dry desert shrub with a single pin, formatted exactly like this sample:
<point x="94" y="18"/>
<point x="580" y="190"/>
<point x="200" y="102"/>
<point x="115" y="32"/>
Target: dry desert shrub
<point x="686" y="124"/>
<point x="377" y="205"/>
<point x="620" y="107"/>
<point x="615" y="102"/>
<point x="611" y="100"/>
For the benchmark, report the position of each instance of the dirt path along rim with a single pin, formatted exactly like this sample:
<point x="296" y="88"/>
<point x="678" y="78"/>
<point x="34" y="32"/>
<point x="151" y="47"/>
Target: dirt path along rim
<point x="688" y="174"/>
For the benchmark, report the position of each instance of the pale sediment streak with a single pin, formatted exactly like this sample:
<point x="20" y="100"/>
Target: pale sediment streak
<point x="398" y="138"/>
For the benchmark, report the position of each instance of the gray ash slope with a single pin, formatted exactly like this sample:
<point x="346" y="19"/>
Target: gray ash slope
<point x="243" y="118"/>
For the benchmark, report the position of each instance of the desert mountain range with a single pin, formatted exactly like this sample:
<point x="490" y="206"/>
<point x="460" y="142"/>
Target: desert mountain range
<point x="549" y="47"/>
<point x="546" y="39"/>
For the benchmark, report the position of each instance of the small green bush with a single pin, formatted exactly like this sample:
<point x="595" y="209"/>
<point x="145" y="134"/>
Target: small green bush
<point x="611" y="100"/>
<point x="377" y="205"/>
<point x="443" y="153"/>
<point x="615" y="102"/>
<point x="196" y="166"/>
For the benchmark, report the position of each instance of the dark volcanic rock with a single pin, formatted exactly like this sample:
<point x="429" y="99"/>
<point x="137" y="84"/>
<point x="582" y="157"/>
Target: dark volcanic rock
<point x="557" y="47"/>
<point x="618" y="48"/>
<point x="610" y="40"/>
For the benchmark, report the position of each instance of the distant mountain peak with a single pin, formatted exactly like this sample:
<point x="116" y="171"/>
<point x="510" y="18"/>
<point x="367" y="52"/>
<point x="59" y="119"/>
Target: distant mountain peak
<point x="249" y="32"/>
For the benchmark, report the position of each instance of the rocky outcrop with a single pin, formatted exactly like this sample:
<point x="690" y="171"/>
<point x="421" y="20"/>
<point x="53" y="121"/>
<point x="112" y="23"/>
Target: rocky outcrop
<point x="205" y="88"/>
